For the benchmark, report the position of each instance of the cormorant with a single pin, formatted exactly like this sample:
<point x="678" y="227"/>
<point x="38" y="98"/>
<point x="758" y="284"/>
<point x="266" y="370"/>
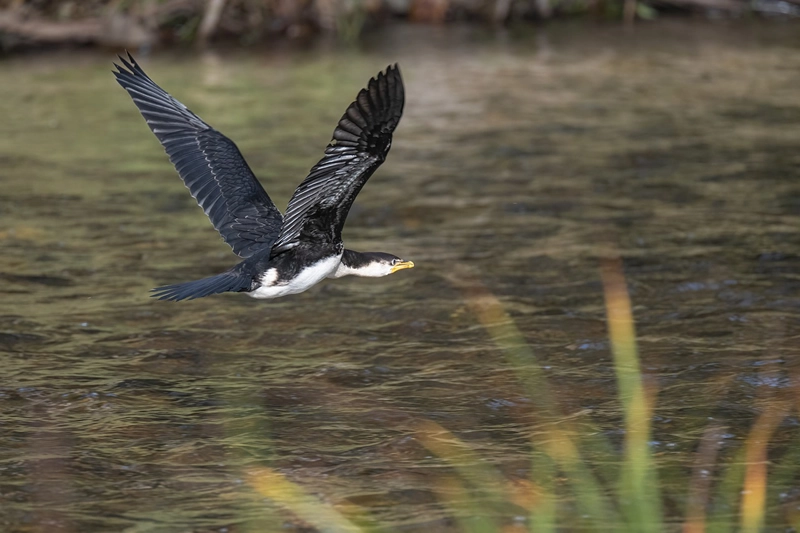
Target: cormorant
<point x="281" y="254"/>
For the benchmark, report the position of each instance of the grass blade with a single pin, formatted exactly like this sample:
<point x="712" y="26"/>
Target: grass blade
<point x="639" y="486"/>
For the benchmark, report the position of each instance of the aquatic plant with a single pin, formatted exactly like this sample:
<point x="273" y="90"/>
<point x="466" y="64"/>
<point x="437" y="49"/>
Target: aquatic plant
<point x="579" y="479"/>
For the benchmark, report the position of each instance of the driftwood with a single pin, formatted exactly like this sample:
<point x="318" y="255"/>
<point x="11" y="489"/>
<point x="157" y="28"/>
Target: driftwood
<point x="115" y="30"/>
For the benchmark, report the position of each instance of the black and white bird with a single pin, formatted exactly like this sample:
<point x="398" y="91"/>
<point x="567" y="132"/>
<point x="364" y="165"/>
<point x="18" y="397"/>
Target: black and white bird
<point x="282" y="254"/>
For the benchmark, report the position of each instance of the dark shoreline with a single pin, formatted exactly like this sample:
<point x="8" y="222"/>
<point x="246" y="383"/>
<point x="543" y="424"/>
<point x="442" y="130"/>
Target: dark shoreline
<point x="142" y="25"/>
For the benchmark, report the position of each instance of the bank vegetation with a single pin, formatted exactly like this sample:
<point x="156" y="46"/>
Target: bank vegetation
<point x="144" y="23"/>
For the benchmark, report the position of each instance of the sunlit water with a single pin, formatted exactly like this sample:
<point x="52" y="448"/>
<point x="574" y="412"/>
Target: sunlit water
<point x="521" y="161"/>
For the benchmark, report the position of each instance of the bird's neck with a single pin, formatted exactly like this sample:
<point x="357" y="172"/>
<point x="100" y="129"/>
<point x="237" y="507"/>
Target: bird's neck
<point x="356" y="264"/>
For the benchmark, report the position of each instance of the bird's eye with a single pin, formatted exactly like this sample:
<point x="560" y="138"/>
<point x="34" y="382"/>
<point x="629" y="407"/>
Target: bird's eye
<point x="394" y="261"/>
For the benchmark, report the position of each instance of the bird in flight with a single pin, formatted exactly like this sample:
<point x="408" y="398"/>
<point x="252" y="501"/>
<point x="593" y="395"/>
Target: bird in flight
<point x="281" y="254"/>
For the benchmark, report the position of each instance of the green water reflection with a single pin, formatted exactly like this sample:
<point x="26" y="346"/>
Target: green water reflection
<point x="522" y="159"/>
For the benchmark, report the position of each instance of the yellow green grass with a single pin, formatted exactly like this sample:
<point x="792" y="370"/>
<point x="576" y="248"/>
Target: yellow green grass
<point x="577" y="479"/>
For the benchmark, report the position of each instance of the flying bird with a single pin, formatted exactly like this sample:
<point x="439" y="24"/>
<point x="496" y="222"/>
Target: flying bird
<point x="281" y="254"/>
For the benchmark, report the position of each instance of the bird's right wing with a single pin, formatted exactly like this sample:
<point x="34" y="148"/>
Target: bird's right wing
<point x="209" y="164"/>
<point x="319" y="206"/>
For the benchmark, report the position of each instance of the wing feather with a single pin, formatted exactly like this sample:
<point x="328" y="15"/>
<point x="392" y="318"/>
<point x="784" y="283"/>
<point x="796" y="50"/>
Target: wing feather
<point x="361" y="140"/>
<point x="209" y="163"/>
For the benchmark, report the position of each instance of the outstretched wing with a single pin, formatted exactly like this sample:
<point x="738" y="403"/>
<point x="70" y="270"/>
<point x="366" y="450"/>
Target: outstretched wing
<point x="209" y="164"/>
<point x="319" y="206"/>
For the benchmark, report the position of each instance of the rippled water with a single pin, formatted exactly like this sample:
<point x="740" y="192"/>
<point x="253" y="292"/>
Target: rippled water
<point x="521" y="161"/>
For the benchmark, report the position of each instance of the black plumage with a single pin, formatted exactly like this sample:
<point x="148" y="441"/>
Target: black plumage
<point x="216" y="174"/>
<point x="361" y="140"/>
<point x="234" y="280"/>
<point x="210" y="165"/>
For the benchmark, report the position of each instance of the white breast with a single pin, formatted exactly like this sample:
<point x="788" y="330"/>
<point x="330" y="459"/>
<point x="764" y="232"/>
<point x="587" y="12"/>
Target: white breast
<point x="308" y="277"/>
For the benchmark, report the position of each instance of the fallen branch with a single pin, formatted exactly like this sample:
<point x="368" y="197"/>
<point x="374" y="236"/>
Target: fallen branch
<point x="115" y="30"/>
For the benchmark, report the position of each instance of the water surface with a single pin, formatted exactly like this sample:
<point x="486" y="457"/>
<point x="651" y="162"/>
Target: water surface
<point x="521" y="162"/>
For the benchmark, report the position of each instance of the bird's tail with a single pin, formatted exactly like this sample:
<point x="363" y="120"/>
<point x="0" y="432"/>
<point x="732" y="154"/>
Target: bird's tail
<point x="230" y="281"/>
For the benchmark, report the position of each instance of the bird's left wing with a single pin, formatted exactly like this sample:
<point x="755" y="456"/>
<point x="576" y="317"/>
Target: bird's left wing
<point x="319" y="206"/>
<point x="210" y="165"/>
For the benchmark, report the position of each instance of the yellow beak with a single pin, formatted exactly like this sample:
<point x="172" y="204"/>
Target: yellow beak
<point x="402" y="265"/>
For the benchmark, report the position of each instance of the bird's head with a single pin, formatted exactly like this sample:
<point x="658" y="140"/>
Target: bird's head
<point x="382" y="264"/>
<point x="371" y="264"/>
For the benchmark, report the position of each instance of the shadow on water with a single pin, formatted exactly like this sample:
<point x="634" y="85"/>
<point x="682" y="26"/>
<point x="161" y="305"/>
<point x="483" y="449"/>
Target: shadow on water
<point x="498" y="386"/>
